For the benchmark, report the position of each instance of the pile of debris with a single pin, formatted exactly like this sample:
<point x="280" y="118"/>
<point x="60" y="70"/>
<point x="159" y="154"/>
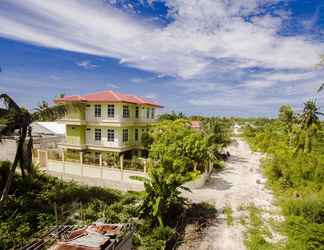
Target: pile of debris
<point x="97" y="236"/>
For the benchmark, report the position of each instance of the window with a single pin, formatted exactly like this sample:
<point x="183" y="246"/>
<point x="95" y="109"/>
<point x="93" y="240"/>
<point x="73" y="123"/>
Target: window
<point x="111" y="135"/>
<point x="147" y="113"/>
<point x="125" y="135"/>
<point x="125" y="111"/>
<point x="97" y="134"/>
<point x="97" y="110"/>
<point x="152" y="113"/>
<point x="137" y="112"/>
<point x="111" y="110"/>
<point x="136" y="134"/>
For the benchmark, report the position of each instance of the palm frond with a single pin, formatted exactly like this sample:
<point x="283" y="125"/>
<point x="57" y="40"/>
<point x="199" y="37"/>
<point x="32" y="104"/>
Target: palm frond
<point x="320" y="88"/>
<point x="47" y="113"/>
<point x="9" y="102"/>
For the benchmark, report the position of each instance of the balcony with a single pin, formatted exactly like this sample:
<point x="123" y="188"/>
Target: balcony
<point x="73" y="143"/>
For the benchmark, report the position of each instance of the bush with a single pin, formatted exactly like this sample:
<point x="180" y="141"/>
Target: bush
<point x="156" y="239"/>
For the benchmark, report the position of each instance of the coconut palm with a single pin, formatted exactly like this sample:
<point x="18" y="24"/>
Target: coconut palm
<point x="14" y="118"/>
<point x="310" y="124"/>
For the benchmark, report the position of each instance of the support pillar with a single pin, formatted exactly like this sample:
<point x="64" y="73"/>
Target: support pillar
<point x="101" y="166"/>
<point x="81" y="162"/>
<point x="63" y="161"/>
<point x="121" y="158"/>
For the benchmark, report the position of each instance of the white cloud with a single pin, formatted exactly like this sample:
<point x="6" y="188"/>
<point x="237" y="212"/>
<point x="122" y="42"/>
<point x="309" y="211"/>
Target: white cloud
<point x="207" y="47"/>
<point x="112" y="86"/>
<point x="153" y="96"/>
<point x="201" y="34"/>
<point x="86" y="65"/>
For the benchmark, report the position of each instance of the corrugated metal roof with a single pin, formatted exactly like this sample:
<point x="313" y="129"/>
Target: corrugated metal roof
<point x="48" y="128"/>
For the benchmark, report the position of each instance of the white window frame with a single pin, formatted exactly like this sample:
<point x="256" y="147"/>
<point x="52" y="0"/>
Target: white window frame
<point x="97" y="134"/>
<point x="125" y="135"/>
<point x="110" y="135"/>
<point x="111" y="110"/>
<point x="148" y="113"/>
<point x="136" y="133"/>
<point x="97" y="110"/>
<point x="137" y="109"/>
<point x="153" y="113"/>
<point x="125" y="111"/>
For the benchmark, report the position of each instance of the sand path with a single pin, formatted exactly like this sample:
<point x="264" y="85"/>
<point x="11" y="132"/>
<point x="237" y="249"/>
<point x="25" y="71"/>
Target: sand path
<point x="240" y="183"/>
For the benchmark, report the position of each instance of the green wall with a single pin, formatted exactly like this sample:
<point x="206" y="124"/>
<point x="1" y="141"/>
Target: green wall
<point x="77" y="112"/>
<point x="75" y="134"/>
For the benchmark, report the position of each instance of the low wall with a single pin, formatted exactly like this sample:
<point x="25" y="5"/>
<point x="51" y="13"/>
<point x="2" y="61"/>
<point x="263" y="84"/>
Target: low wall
<point x="96" y="176"/>
<point x="8" y="149"/>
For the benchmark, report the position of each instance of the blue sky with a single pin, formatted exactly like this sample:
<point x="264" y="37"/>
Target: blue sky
<point x="210" y="57"/>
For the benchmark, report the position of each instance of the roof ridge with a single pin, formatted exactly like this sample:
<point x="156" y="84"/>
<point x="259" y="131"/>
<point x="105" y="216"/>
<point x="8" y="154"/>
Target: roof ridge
<point x="115" y="95"/>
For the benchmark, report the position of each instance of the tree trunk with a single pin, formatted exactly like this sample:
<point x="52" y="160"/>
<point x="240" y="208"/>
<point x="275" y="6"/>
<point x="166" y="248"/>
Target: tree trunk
<point x="18" y="159"/>
<point x="308" y="143"/>
<point x="28" y="154"/>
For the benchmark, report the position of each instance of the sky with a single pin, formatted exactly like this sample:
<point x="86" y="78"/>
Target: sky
<point x="208" y="57"/>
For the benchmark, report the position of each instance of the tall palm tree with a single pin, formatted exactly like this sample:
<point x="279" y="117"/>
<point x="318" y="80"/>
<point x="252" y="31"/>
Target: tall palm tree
<point x="310" y="124"/>
<point x="15" y="118"/>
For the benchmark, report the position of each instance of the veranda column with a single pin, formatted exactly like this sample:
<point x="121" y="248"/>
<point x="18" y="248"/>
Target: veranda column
<point x="101" y="167"/>
<point x="121" y="157"/>
<point x="81" y="162"/>
<point x="63" y="161"/>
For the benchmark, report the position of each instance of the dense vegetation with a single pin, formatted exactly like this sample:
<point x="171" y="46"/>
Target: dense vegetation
<point x="294" y="165"/>
<point x="178" y="154"/>
<point x="32" y="201"/>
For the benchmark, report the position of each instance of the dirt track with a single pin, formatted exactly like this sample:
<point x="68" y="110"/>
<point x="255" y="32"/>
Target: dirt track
<point x="240" y="183"/>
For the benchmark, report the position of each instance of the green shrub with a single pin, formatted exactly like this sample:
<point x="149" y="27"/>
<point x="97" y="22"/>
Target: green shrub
<point x="156" y="238"/>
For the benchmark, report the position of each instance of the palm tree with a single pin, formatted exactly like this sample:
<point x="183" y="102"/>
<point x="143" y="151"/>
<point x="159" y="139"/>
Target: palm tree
<point x="310" y="123"/>
<point x="15" y="118"/>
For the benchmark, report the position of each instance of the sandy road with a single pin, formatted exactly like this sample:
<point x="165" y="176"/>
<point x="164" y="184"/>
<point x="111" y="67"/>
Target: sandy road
<point x="240" y="183"/>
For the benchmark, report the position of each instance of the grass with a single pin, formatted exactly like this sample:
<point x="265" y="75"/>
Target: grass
<point x="229" y="216"/>
<point x="258" y="234"/>
<point x="137" y="178"/>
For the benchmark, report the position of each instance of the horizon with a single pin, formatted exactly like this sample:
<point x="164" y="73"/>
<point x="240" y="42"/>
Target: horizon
<point x="240" y="59"/>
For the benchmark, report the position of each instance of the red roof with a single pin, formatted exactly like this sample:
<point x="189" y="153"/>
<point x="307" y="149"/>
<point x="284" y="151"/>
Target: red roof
<point x="108" y="96"/>
<point x="196" y="124"/>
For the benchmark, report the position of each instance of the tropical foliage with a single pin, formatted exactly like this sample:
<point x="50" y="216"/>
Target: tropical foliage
<point x="294" y="165"/>
<point x="32" y="209"/>
<point x="15" y="118"/>
<point x="178" y="154"/>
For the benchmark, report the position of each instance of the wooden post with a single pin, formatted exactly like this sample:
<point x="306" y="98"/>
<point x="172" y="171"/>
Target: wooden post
<point x="81" y="162"/>
<point x="121" y="157"/>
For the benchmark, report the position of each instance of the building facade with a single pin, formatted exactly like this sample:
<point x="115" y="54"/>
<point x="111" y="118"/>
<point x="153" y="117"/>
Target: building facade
<point x="107" y="121"/>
